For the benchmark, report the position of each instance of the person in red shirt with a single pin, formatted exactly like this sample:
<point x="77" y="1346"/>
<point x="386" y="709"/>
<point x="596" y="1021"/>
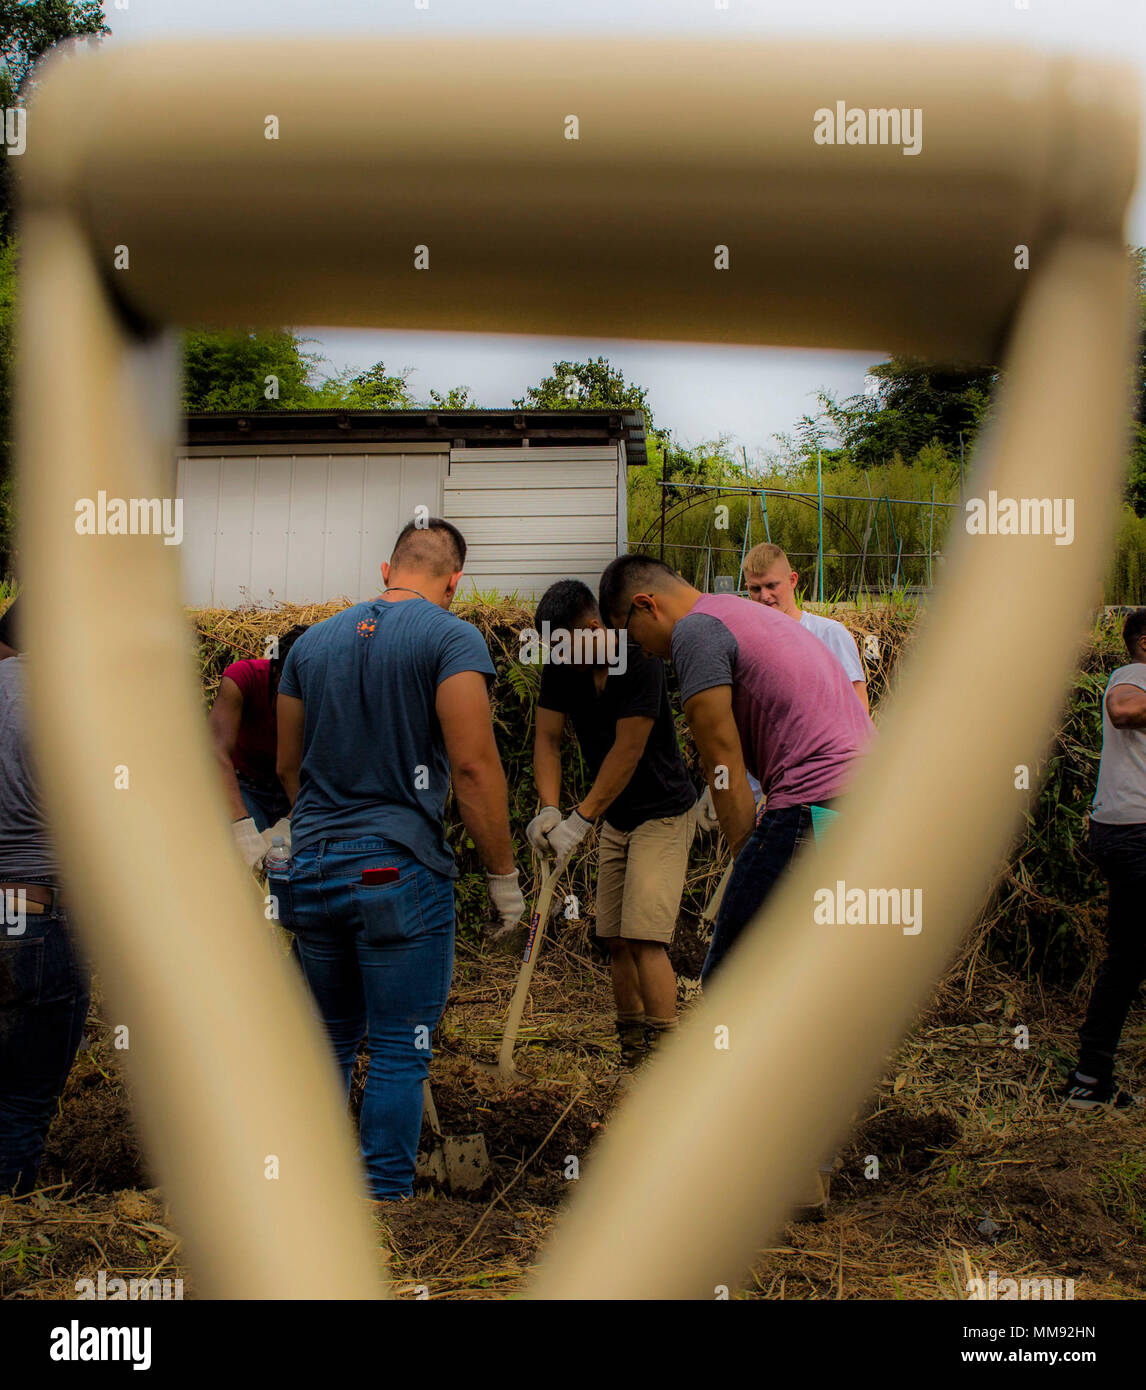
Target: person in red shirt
<point x="245" y="735"/>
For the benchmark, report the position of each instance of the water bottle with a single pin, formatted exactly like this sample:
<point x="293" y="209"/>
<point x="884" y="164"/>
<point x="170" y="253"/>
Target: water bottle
<point x="277" y="865"/>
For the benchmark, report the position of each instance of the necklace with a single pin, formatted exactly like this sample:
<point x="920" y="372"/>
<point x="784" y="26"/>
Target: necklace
<point x="401" y="589"/>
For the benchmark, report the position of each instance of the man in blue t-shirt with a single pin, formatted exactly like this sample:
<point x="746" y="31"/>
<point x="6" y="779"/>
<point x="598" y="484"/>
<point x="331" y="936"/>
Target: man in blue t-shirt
<point x="377" y="706"/>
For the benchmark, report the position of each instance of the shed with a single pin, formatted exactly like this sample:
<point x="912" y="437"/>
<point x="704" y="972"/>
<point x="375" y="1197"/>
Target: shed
<point x="303" y="506"/>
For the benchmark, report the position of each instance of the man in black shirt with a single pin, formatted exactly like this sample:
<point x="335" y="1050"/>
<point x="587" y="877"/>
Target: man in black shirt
<point x="641" y="791"/>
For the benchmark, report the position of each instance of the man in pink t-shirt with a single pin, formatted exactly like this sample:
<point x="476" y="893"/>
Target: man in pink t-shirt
<point x="761" y="694"/>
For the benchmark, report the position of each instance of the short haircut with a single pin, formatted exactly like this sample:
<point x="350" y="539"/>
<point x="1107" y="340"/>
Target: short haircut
<point x="628" y="575"/>
<point x="762" y="557"/>
<point x="435" y="545"/>
<point x="285" y="643"/>
<point x="1134" y="629"/>
<point x="566" y="605"/>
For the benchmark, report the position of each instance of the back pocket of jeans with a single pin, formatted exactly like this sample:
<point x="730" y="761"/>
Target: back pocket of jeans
<point x="387" y="913"/>
<point x="21" y="972"/>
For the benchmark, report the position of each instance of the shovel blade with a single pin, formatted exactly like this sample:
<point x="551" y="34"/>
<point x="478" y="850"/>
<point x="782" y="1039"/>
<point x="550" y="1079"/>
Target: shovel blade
<point x="466" y="1163"/>
<point x="430" y="1166"/>
<point x="457" y="1165"/>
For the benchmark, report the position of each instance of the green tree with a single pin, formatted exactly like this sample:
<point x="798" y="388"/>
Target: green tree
<point x="456" y="398"/>
<point x="909" y="405"/>
<point x="28" y="28"/>
<point x="245" y="370"/>
<point x="592" y="385"/>
<point x="378" y="389"/>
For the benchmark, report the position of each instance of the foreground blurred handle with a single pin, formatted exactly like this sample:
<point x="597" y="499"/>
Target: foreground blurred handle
<point x="237" y="1097"/>
<point x="161" y="150"/>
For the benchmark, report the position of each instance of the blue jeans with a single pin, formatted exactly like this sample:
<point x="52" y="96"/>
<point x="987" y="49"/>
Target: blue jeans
<point x="44" y="996"/>
<point x="766" y="854"/>
<point x="378" y="959"/>
<point x="265" y="805"/>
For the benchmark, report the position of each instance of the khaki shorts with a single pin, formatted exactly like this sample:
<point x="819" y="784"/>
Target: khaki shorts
<point x="641" y="877"/>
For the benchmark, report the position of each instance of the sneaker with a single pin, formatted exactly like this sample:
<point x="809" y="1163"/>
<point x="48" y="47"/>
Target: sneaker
<point x="1082" y="1095"/>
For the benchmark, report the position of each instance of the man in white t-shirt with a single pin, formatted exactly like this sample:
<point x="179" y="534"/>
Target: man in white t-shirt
<point x="771" y="580"/>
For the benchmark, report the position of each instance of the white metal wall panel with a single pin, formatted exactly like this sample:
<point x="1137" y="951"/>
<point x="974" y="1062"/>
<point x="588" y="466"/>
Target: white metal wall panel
<point x="197" y="483"/>
<point x="519" y="507"/>
<point x="306" y="538"/>
<point x="533" y="515"/>
<point x="346" y="479"/>
<point x="298" y="528"/>
<point x="236" y="526"/>
<point x="381" y="505"/>
<point x="271" y="526"/>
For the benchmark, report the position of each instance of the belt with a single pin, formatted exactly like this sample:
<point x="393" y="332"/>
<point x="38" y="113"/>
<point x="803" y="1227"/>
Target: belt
<point x="38" y="897"/>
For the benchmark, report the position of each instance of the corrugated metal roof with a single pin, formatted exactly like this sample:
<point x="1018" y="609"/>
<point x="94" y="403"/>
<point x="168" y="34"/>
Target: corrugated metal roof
<point x="470" y="428"/>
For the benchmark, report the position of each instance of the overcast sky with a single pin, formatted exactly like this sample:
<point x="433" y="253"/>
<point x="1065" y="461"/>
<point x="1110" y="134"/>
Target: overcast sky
<point x="697" y="391"/>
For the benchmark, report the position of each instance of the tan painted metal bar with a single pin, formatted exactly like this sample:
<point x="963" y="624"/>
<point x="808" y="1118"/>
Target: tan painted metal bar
<point x="458" y="147"/>
<point x="236" y="1088"/>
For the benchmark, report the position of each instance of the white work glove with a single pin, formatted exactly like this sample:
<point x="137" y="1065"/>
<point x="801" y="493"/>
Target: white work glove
<point x="506" y="898"/>
<point x="540" y="826"/>
<point x="280" y="827"/>
<point x="564" y="838"/>
<point x="249" y="842"/>
<point x="706" y="817"/>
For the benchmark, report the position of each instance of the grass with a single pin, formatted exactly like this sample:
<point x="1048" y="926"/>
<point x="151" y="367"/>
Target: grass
<point x="964" y="1123"/>
<point x="1121" y="1188"/>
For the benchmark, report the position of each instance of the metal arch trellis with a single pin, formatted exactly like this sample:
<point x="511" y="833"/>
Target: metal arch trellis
<point x="888" y="578"/>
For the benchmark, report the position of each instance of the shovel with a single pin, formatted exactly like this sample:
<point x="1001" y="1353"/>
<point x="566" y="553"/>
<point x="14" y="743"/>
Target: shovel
<point x="503" y="1068"/>
<point x="460" y="1165"/>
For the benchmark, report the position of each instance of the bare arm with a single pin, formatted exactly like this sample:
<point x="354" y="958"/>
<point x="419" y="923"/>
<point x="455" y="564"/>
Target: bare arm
<point x="462" y="703"/>
<point x="547" y="755"/>
<point x="620" y="763"/>
<point x="709" y="716"/>
<point x="1126" y="706"/>
<point x="289" y="715"/>
<point x="223" y="721"/>
<point x="860" y="688"/>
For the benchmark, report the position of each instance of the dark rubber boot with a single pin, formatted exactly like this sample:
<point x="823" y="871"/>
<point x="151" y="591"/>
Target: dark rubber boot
<point x="632" y="1035"/>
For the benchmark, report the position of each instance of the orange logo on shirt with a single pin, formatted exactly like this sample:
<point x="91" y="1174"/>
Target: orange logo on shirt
<point x="366" y="629"/>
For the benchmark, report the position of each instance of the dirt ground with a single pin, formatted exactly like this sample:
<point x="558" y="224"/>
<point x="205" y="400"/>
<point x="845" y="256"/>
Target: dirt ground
<point x="980" y="1168"/>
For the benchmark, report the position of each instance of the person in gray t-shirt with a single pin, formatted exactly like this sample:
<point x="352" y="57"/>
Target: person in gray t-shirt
<point x="1117" y="844"/>
<point x="45" y="999"/>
